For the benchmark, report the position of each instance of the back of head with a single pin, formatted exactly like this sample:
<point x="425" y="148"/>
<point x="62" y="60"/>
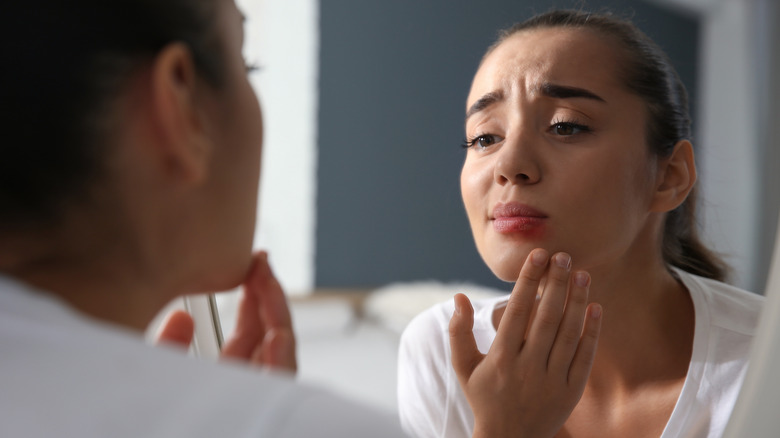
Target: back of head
<point x="65" y="63"/>
<point x="648" y="73"/>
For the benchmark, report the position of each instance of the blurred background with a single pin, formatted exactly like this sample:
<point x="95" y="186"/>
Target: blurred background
<point x="363" y="106"/>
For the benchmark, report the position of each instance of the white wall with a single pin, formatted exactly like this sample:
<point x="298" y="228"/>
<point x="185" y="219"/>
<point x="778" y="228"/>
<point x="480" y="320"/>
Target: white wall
<point x="282" y="37"/>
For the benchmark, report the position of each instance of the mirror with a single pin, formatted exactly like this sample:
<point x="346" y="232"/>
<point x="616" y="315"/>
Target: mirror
<point x="363" y="107"/>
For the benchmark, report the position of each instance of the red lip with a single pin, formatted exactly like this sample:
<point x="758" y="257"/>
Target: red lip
<point x="514" y="209"/>
<point x="513" y="217"/>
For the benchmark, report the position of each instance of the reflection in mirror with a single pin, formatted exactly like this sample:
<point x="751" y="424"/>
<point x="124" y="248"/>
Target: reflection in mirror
<point x="360" y="206"/>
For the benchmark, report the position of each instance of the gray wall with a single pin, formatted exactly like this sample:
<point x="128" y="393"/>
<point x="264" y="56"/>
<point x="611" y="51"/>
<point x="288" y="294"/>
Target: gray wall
<point x="394" y="75"/>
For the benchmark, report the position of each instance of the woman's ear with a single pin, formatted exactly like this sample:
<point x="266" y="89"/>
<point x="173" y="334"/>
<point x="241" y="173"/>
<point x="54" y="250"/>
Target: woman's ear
<point x="675" y="178"/>
<point x="182" y="142"/>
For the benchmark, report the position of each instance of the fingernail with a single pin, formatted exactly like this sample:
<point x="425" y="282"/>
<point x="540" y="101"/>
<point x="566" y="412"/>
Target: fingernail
<point x="582" y="279"/>
<point x="539" y="258"/>
<point x="596" y="313"/>
<point x="563" y="260"/>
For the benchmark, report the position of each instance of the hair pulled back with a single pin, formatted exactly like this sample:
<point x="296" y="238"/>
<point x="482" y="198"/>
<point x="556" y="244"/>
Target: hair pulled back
<point x="65" y="63"/>
<point x="648" y="73"/>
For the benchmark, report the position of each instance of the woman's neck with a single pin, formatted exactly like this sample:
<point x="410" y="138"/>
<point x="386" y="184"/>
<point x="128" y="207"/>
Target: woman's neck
<point x="648" y="326"/>
<point x="94" y="269"/>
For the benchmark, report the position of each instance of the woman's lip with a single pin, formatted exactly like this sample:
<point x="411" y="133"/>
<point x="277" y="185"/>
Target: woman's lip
<point x="515" y="210"/>
<point x="513" y="217"/>
<point x="519" y="224"/>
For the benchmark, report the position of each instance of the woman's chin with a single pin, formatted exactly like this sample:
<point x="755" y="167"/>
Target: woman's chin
<point x="225" y="278"/>
<point x="506" y="262"/>
<point x="508" y="268"/>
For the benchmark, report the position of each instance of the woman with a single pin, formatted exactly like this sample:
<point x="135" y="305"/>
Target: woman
<point x="129" y="177"/>
<point x="578" y="144"/>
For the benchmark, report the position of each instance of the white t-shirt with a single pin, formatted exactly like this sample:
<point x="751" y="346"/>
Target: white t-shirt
<point x="431" y="403"/>
<point x="65" y="375"/>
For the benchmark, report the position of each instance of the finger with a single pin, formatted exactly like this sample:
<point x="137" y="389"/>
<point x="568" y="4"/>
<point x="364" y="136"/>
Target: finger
<point x="249" y="330"/>
<point x="521" y="305"/>
<point x="277" y="351"/>
<point x="264" y="333"/>
<point x="544" y="327"/>
<point x="586" y="351"/>
<point x="570" y="330"/>
<point x="177" y="329"/>
<point x="278" y="343"/>
<point x="465" y="355"/>
<point x="273" y="303"/>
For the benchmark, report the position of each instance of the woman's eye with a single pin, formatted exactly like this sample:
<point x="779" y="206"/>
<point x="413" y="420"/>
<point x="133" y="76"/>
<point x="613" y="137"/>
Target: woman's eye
<point x="567" y="129"/>
<point x="482" y="141"/>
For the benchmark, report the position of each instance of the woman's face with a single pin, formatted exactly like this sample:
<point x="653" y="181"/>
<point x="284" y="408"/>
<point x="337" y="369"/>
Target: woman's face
<point x="236" y="121"/>
<point x="558" y="156"/>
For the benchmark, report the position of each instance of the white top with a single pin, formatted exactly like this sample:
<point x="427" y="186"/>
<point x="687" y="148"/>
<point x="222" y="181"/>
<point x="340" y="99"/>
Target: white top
<point x="431" y="403"/>
<point x="64" y="375"/>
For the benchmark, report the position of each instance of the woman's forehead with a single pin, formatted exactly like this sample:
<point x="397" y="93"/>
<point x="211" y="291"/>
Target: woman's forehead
<point x="569" y="56"/>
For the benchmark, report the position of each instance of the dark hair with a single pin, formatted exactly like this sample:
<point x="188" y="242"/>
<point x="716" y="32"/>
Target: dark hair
<point x="648" y="72"/>
<point x="65" y="62"/>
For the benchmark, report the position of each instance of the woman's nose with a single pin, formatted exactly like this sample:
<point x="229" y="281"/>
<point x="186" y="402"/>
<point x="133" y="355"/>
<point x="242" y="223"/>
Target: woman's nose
<point x="517" y="163"/>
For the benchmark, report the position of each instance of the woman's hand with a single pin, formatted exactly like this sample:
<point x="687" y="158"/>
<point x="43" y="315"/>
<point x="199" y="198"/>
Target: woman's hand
<point x="536" y="369"/>
<point x="263" y="335"/>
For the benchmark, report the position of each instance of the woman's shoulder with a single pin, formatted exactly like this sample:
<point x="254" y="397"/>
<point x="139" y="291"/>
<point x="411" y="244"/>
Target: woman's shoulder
<point x="729" y="307"/>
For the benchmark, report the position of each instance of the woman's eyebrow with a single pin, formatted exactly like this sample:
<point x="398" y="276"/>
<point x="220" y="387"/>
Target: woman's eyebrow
<point x="565" y="92"/>
<point x="484" y="102"/>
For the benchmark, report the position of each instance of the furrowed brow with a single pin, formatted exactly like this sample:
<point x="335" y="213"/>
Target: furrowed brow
<point x="484" y="102"/>
<point x="564" y="92"/>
